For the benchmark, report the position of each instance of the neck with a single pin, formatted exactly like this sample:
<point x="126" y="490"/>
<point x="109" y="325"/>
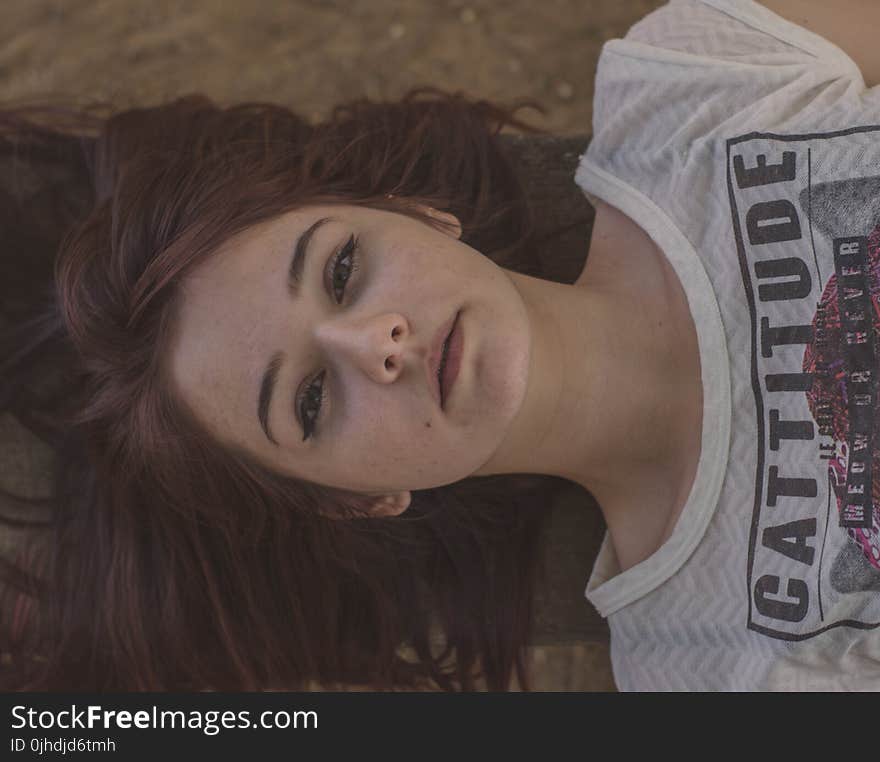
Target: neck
<point x="604" y="398"/>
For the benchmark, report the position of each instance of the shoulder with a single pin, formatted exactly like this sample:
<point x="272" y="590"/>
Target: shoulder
<point x="850" y="24"/>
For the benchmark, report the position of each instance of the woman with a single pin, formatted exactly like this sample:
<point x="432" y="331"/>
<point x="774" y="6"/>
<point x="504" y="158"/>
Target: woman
<point x="188" y="550"/>
<point x="297" y="369"/>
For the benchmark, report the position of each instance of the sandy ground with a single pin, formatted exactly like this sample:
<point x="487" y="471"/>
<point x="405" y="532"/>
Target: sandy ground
<point x="311" y="55"/>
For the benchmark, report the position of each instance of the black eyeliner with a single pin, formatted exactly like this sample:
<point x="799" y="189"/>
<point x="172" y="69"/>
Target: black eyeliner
<point x="309" y="428"/>
<point x="350" y="250"/>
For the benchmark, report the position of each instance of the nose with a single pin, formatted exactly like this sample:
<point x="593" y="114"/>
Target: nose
<point x="378" y="345"/>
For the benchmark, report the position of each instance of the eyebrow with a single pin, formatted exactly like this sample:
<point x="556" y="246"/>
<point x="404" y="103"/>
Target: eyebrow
<point x="294" y="287"/>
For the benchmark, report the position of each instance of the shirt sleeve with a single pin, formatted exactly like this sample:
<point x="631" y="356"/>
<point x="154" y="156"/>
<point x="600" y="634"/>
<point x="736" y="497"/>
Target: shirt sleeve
<point x="694" y="72"/>
<point x="730" y="32"/>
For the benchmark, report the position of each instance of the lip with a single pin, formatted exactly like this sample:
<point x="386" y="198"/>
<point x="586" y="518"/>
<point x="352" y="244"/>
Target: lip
<point x="453" y="360"/>
<point x="436" y="355"/>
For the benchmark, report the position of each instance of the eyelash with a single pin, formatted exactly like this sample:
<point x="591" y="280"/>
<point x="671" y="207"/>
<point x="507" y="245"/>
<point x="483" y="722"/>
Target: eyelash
<point x="349" y="251"/>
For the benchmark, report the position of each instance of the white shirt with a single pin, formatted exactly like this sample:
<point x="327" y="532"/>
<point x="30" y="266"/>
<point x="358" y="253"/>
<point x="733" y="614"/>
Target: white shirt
<point x="748" y="148"/>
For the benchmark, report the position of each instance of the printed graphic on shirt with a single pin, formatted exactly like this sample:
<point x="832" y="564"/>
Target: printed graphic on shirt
<point x="808" y="240"/>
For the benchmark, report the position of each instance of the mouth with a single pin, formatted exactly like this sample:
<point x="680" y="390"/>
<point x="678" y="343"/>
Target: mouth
<point x="438" y="360"/>
<point x="451" y="361"/>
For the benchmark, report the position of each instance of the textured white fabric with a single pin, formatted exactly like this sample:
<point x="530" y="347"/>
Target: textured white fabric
<point x="748" y="148"/>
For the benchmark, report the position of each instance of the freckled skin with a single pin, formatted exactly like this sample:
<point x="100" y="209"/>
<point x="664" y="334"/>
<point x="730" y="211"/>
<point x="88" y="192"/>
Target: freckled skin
<point x="552" y="380"/>
<point x="410" y="280"/>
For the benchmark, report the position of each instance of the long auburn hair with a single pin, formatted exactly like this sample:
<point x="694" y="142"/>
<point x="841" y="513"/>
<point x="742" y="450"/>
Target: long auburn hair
<point x="163" y="560"/>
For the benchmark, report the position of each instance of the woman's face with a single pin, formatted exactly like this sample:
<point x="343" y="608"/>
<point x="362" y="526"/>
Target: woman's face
<point x="367" y="340"/>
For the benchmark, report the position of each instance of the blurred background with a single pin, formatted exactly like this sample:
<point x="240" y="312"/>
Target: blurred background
<point x="310" y="55"/>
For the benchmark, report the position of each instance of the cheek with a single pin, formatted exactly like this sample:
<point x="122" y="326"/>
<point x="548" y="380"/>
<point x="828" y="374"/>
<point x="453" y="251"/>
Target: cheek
<point x="391" y="422"/>
<point x="394" y="412"/>
<point x="416" y="271"/>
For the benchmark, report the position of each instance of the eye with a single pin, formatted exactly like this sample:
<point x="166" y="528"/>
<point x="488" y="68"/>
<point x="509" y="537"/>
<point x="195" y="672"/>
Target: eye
<point x="310" y="405"/>
<point x="342" y="266"/>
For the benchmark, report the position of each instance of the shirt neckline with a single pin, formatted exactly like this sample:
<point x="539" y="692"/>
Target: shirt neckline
<point x="608" y="588"/>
